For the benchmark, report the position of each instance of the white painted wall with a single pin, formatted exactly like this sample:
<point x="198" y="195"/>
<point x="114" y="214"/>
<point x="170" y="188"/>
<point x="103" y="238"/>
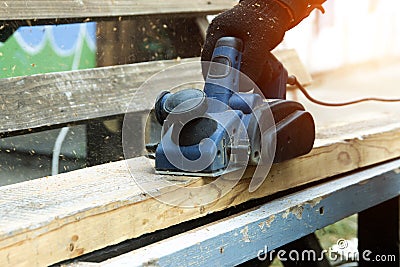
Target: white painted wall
<point x="351" y="31"/>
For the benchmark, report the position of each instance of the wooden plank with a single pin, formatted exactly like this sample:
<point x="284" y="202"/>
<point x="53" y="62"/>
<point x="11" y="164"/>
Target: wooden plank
<point x="57" y="9"/>
<point x="56" y="218"/>
<point x="58" y="98"/>
<point x="238" y="238"/>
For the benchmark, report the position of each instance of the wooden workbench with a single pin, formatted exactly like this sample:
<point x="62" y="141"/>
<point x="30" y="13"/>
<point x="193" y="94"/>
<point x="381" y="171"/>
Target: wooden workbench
<point x="61" y="217"/>
<point x="52" y="219"/>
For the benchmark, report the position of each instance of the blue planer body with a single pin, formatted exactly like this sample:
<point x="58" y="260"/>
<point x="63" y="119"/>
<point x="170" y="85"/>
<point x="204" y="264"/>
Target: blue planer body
<point x="220" y="129"/>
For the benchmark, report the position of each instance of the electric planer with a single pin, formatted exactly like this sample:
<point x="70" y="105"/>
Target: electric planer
<point x="224" y="127"/>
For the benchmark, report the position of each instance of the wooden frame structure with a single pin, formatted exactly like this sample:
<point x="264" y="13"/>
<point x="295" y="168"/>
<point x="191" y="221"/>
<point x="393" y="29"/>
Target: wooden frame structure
<point x="52" y="219"/>
<point x="78" y="96"/>
<point x="39" y="9"/>
<point x="240" y="238"/>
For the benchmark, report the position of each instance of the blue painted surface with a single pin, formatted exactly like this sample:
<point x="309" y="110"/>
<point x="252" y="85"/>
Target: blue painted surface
<point x="64" y="36"/>
<point x="238" y="248"/>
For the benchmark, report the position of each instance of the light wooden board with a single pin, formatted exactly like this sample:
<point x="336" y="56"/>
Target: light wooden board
<point x="58" y="98"/>
<point x="238" y="238"/>
<point x="56" y="9"/>
<point x="56" y="218"/>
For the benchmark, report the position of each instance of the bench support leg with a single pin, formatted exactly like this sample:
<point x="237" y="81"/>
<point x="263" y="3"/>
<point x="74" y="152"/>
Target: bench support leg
<point x="378" y="232"/>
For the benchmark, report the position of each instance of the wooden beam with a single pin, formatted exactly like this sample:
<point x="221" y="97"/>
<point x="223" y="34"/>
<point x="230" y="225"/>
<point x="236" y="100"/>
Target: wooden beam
<point x="59" y="9"/>
<point x="56" y="98"/>
<point x="59" y="98"/>
<point x="55" y="218"/>
<point x="233" y="240"/>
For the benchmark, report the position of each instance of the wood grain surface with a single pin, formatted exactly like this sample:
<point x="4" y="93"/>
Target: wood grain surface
<point x="60" y="217"/>
<point x="59" y="98"/>
<point x="57" y="9"/>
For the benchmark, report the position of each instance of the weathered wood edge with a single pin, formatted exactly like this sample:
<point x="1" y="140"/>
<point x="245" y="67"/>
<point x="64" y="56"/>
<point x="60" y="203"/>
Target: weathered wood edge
<point x="123" y="212"/>
<point x="56" y="9"/>
<point x="271" y="225"/>
<point x="56" y="98"/>
<point x="42" y="100"/>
